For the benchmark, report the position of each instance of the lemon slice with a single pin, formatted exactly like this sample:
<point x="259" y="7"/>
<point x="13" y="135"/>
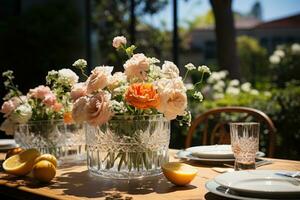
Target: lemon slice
<point x="47" y="157"/>
<point x="22" y="163"/>
<point x="179" y="173"/>
<point x="44" y="171"/>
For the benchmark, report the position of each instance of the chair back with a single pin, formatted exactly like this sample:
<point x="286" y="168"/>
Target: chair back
<point x="220" y="131"/>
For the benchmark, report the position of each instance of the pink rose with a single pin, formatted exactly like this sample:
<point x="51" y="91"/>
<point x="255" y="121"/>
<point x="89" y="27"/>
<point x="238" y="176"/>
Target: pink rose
<point x="10" y="105"/>
<point x="39" y="92"/>
<point x="49" y="99"/>
<point x="57" y="107"/>
<point x="137" y="66"/>
<point x="99" y="78"/>
<point x="78" y="90"/>
<point x="98" y="109"/>
<point x="7" y="107"/>
<point x="119" y="41"/>
<point x="79" y="109"/>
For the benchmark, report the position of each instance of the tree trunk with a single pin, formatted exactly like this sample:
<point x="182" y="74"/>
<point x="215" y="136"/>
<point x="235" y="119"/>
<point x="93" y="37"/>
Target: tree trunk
<point x="226" y="37"/>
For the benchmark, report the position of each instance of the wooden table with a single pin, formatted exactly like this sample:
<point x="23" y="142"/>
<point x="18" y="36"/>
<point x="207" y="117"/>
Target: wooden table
<point x="74" y="182"/>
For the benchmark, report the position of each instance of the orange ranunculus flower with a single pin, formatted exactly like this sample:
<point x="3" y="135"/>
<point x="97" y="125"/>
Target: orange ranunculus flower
<point x="68" y="118"/>
<point x="142" y="96"/>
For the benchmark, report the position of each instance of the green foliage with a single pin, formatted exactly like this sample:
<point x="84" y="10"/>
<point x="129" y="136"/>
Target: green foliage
<point x="111" y="18"/>
<point x="252" y="58"/>
<point x="285" y="62"/>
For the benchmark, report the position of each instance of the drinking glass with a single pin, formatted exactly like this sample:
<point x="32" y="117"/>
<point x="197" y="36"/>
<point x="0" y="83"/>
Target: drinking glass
<point x="244" y="144"/>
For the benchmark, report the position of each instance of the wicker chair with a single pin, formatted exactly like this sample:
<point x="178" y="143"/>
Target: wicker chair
<point x="220" y="131"/>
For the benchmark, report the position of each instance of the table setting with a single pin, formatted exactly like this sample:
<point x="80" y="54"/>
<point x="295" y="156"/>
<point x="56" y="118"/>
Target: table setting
<point x="111" y="134"/>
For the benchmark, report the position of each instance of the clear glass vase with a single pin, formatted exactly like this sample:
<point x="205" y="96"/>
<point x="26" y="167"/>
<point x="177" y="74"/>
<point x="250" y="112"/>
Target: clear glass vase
<point x="128" y="147"/>
<point x="65" y="141"/>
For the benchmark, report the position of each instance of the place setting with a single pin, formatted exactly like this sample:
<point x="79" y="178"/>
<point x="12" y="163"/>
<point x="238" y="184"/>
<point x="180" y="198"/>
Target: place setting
<point x="244" y="181"/>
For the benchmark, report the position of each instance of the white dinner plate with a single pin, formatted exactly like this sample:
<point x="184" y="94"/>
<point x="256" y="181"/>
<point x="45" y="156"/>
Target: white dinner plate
<point x="183" y="154"/>
<point x="212" y="151"/>
<point x="7" y="144"/>
<point x="219" y="190"/>
<point x="264" y="182"/>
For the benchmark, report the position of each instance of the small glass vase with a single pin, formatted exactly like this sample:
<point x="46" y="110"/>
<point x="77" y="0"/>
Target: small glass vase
<point x="128" y="147"/>
<point x="65" y="141"/>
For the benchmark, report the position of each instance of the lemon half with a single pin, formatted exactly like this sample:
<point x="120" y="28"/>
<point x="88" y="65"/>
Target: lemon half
<point x="22" y="163"/>
<point x="179" y="173"/>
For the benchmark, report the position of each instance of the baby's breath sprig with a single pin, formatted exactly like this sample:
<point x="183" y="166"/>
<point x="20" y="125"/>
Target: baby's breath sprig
<point x="13" y="89"/>
<point x="81" y="65"/>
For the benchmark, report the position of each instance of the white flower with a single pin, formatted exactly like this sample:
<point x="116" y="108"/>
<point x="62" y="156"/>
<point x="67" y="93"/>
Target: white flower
<point x="118" y="107"/>
<point x="219" y="86"/>
<point x="254" y="92"/>
<point x="246" y="87"/>
<point x="80" y="63"/>
<point x="189" y="86"/>
<point x="173" y="99"/>
<point x="22" y="114"/>
<point x="119" y="41"/>
<point x="190" y="66"/>
<point x="279" y="53"/>
<point x="267" y="93"/>
<point x="8" y="126"/>
<point x="68" y="75"/>
<point x="170" y="70"/>
<point x="204" y="69"/>
<point x="234" y="83"/>
<point x="233" y="91"/>
<point x="223" y="74"/>
<point x="198" y="95"/>
<point x="218" y="96"/>
<point x="274" y="59"/>
<point x="116" y="80"/>
<point x="295" y="49"/>
<point x="153" y="60"/>
<point x="136" y="67"/>
<point x="216" y="76"/>
<point x="155" y="72"/>
<point x="119" y="90"/>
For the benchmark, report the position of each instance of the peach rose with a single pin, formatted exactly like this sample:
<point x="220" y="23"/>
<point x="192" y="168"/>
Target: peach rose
<point x="98" y="109"/>
<point x="79" y="113"/>
<point x="173" y="99"/>
<point x="39" y="92"/>
<point x="142" y="96"/>
<point x="136" y="67"/>
<point x="78" y="90"/>
<point x="99" y="78"/>
<point x="173" y="104"/>
<point x="119" y="41"/>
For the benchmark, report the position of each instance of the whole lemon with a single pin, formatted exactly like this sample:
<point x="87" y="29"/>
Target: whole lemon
<point x="47" y="157"/>
<point x="44" y="171"/>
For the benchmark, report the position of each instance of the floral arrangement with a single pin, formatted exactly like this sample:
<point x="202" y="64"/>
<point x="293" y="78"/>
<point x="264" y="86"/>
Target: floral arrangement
<point x="45" y="102"/>
<point x="144" y="88"/>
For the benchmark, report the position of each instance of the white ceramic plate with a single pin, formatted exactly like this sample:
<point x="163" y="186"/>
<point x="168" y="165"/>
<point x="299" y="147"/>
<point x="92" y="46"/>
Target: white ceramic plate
<point x="217" y="189"/>
<point x="259" y="182"/>
<point x="7" y="144"/>
<point x="211" y="151"/>
<point x="183" y="154"/>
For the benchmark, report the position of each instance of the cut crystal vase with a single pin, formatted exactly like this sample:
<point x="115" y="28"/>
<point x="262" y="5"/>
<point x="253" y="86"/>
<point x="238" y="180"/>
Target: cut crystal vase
<point x="65" y="141"/>
<point x="128" y="147"/>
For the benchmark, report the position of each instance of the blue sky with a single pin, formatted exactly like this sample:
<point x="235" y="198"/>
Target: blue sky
<point x="272" y="9"/>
